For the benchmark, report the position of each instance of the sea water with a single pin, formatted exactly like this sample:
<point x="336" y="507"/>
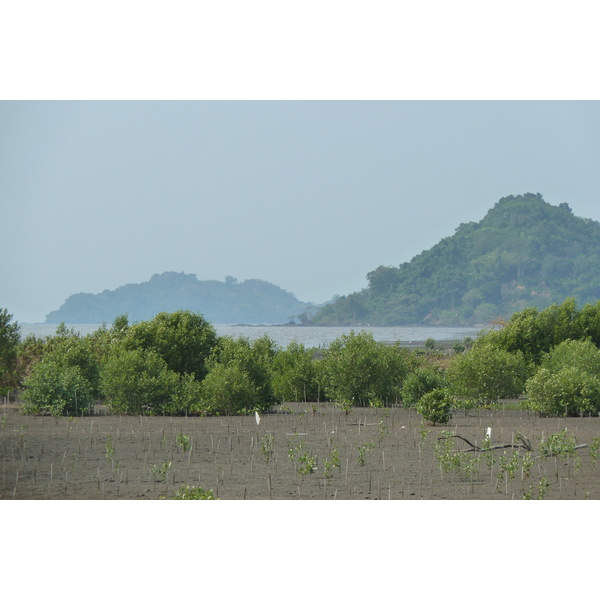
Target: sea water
<point x="310" y="337"/>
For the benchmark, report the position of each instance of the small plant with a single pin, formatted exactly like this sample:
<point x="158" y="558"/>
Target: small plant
<point x="383" y="430"/>
<point x="161" y="472"/>
<point x="542" y="489"/>
<point x="558" y="444"/>
<point x="444" y="451"/>
<point x="334" y="461"/>
<point x="423" y="433"/>
<point x="471" y="467"/>
<point x="294" y="450"/>
<point x="307" y="464"/>
<point x="490" y="459"/>
<point x="267" y="445"/>
<point x="187" y="492"/>
<point x="528" y="462"/>
<point x="183" y="441"/>
<point x="362" y="453"/>
<point x="595" y="450"/>
<point x="110" y="449"/>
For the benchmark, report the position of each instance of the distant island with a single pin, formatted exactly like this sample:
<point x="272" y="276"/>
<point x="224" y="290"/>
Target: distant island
<point x="249" y="302"/>
<point x="524" y="252"/>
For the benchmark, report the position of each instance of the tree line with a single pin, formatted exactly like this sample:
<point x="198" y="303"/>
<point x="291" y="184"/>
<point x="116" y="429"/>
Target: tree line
<point x="175" y="364"/>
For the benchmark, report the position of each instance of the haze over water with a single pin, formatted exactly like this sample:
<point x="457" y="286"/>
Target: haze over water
<point x="311" y="337"/>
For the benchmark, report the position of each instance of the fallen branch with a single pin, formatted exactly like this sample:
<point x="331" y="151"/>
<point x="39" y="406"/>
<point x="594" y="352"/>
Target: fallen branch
<point x="525" y="443"/>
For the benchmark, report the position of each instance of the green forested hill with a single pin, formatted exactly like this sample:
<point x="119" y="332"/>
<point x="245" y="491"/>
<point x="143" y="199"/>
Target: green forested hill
<point x="252" y="301"/>
<point x="524" y="252"/>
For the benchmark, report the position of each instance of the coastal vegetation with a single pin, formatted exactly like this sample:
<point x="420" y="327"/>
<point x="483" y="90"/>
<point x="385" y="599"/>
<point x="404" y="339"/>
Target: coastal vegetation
<point x="523" y="253"/>
<point x="176" y="364"/>
<point x="333" y="422"/>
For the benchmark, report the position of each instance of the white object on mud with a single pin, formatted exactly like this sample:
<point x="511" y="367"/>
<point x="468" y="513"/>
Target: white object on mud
<point x="488" y="433"/>
<point x="257" y="417"/>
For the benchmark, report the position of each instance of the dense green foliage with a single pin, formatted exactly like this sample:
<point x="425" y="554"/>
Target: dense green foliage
<point x="524" y="253"/>
<point x="568" y="381"/>
<point x="536" y="332"/>
<point x="250" y="301"/>
<point x="552" y="355"/>
<point x="58" y="388"/>
<point x="419" y="382"/>
<point x="358" y="371"/>
<point x="138" y="382"/>
<point x="175" y="364"/>
<point x="487" y="373"/>
<point x="183" y="339"/>
<point x="64" y="374"/>
<point x="237" y="367"/>
<point x="295" y="375"/>
<point x="9" y="343"/>
<point x="435" y="406"/>
<point x="568" y="392"/>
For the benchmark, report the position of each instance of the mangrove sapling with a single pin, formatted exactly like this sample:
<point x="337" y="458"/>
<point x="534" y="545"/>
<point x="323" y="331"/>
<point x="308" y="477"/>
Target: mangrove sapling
<point x="162" y="471"/>
<point x="423" y="433"/>
<point x="329" y="465"/>
<point x="307" y="464"/>
<point x="528" y="462"/>
<point x="183" y="441"/>
<point x="542" y="489"/>
<point x="187" y="492"/>
<point x="267" y="445"/>
<point x="444" y="452"/>
<point x="559" y="445"/>
<point x="471" y="468"/>
<point x="362" y="453"/>
<point x="595" y="450"/>
<point x="110" y="449"/>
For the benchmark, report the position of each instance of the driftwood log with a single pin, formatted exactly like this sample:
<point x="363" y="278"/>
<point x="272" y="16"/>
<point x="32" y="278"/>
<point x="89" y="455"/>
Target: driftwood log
<point x="523" y="443"/>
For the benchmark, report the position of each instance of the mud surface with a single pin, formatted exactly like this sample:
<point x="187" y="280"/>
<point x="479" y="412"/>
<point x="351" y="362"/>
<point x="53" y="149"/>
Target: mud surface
<point x="369" y="454"/>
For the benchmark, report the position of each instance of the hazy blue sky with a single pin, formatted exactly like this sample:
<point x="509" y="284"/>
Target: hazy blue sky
<point x="308" y="195"/>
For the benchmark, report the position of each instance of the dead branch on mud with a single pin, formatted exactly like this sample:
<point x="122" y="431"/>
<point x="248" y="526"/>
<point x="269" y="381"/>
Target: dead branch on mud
<point x="525" y="443"/>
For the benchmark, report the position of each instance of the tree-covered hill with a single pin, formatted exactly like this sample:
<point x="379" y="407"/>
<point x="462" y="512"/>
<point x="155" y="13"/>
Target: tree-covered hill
<point x="252" y="301"/>
<point x="524" y="252"/>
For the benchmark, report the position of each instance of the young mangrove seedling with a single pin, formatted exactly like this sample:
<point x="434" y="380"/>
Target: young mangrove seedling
<point x="110" y="449"/>
<point x="362" y="453"/>
<point x="595" y="450"/>
<point x="307" y="464"/>
<point x="267" y="445"/>
<point x="187" y="492"/>
<point x="183" y="441"/>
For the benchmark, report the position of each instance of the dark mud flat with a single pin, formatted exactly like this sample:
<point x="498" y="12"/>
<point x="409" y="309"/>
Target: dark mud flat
<point x="369" y="454"/>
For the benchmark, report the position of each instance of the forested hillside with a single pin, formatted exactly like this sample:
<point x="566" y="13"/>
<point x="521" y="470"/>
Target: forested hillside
<point x="252" y="301"/>
<point x="524" y="252"/>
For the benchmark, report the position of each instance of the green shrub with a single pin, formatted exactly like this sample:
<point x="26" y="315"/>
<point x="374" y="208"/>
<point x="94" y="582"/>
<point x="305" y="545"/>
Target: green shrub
<point x="581" y="354"/>
<point x="187" y="492"/>
<point x="183" y="339"/>
<point x="358" y="371"/>
<point x="435" y="406"/>
<point x="295" y="375"/>
<point x="58" y="389"/>
<point x="255" y="360"/>
<point x="487" y="373"/>
<point x="567" y="392"/>
<point x="138" y="382"/>
<point x="418" y="383"/>
<point x="228" y="389"/>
